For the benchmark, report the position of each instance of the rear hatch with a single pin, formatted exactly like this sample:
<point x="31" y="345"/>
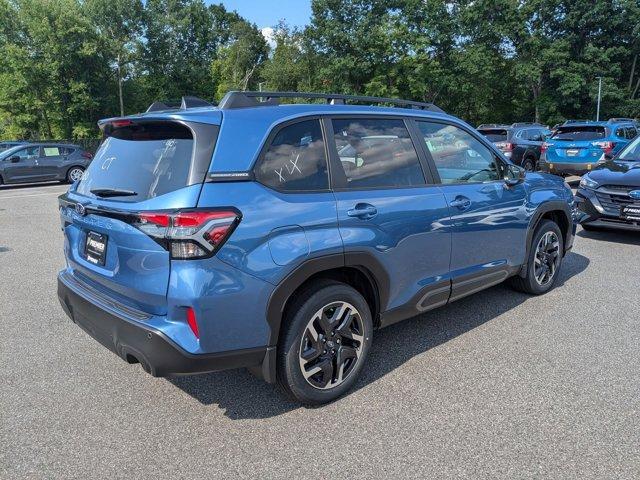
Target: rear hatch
<point x="112" y="216"/>
<point x="577" y="144"/>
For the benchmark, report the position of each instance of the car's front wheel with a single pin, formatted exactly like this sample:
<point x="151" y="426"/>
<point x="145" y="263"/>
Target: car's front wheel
<point x="326" y="338"/>
<point x="544" y="261"/>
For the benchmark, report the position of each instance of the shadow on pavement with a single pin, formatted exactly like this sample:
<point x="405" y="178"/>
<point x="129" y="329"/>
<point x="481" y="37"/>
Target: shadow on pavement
<point x="616" y="236"/>
<point x="246" y="397"/>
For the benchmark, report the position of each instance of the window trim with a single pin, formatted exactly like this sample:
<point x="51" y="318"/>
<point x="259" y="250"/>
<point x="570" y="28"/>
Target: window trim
<point x="275" y="130"/>
<point x="503" y="161"/>
<point x="339" y="185"/>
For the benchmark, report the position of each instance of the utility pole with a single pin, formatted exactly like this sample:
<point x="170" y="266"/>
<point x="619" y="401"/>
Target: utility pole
<point x="599" y="97"/>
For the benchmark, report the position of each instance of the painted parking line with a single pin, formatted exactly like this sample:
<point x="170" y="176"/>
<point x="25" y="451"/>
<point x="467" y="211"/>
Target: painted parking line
<point x="32" y="195"/>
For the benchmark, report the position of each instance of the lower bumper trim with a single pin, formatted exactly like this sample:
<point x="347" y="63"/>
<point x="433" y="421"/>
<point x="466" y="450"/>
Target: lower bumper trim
<point x="134" y="342"/>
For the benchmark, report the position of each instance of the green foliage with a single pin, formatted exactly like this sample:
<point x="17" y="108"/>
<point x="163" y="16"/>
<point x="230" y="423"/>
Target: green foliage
<point x="66" y="63"/>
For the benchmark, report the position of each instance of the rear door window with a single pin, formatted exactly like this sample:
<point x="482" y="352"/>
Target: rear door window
<point x="580" y="133"/>
<point x="48" y="151"/>
<point x="495" y="135"/>
<point x="146" y="160"/>
<point x="376" y="153"/>
<point x="631" y="132"/>
<point x="295" y="159"/>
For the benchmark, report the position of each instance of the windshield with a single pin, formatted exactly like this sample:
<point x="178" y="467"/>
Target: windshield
<point x="495" y="134"/>
<point x="9" y="151"/>
<point x="585" y="133"/>
<point x="631" y="153"/>
<point x="140" y="162"/>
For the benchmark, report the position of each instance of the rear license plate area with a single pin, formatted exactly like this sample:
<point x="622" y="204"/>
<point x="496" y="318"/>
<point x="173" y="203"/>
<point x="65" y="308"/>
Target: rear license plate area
<point x="572" y="152"/>
<point x="95" y="248"/>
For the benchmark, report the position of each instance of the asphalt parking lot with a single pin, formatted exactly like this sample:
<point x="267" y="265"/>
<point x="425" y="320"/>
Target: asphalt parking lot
<point x="498" y="385"/>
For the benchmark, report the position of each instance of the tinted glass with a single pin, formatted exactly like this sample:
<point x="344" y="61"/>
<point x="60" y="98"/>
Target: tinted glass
<point x="150" y="160"/>
<point x="495" y="135"/>
<point x="376" y="153"/>
<point x="632" y="132"/>
<point x="580" y="133"/>
<point x="295" y="159"/>
<point x="458" y="156"/>
<point x="631" y="153"/>
<point x="30" y="152"/>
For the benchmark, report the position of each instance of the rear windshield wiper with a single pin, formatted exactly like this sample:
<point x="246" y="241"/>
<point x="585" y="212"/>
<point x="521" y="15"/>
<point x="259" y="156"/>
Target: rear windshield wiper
<point x="112" y="192"/>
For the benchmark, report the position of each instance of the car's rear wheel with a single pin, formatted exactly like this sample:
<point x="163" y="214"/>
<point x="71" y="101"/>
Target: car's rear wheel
<point x="74" y="174"/>
<point x="529" y="164"/>
<point x="326" y="338"/>
<point x="544" y="261"/>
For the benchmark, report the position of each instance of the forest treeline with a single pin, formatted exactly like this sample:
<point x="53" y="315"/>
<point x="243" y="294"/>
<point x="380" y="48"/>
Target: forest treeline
<point x="64" y="64"/>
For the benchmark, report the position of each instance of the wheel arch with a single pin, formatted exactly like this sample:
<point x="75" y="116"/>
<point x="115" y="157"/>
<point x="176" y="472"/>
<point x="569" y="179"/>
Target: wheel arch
<point x="360" y="270"/>
<point x="558" y="212"/>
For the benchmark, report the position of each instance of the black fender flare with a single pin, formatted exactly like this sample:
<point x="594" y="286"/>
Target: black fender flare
<point x="364" y="261"/>
<point x="550" y="206"/>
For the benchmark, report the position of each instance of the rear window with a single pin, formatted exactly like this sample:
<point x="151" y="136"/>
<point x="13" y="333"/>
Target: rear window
<point x="495" y="134"/>
<point x="146" y="160"/>
<point x="580" y="133"/>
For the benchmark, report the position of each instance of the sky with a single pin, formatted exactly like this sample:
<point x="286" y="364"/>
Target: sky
<point x="267" y="13"/>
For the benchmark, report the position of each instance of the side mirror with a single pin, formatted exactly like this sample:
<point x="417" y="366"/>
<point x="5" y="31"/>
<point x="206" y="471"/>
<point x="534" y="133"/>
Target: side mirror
<point x="514" y="175"/>
<point x="14" y="159"/>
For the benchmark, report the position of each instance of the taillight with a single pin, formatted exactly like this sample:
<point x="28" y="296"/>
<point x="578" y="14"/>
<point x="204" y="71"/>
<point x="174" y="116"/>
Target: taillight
<point x="606" y="147"/>
<point x="189" y="234"/>
<point x="87" y="155"/>
<point x="544" y="147"/>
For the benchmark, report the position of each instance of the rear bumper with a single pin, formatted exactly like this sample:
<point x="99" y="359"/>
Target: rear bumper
<point x="578" y="169"/>
<point x="135" y="342"/>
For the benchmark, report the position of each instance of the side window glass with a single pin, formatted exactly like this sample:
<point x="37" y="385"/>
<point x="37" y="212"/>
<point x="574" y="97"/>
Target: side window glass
<point x="376" y="153"/>
<point x="26" y="153"/>
<point x="51" y="151"/>
<point x="295" y="159"/>
<point x="536" y="135"/>
<point x="459" y="157"/>
<point x="631" y="132"/>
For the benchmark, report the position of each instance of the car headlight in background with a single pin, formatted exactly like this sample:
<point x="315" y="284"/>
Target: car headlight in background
<point x="586" y="182"/>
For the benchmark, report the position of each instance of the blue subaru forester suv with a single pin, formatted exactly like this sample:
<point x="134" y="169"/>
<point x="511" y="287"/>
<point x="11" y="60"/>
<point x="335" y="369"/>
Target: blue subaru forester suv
<point x="279" y="237"/>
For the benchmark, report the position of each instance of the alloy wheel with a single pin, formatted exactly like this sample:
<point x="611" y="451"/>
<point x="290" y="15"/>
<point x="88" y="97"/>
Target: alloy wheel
<point x="331" y="345"/>
<point x="547" y="258"/>
<point x="75" y="174"/>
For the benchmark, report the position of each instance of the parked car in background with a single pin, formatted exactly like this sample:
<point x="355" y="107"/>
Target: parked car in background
<point x="277" y="237"/>
<point x="519" y="142"/>
<point x="6" y="145"/>
<point x="43" y="162"/>
<point x="609" y="196"/>
<point x="577" y="147"/>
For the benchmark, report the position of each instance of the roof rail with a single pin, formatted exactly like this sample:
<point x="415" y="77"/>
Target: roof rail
<point x="526" y="124"/>
<point x="492" y="125"/>
<point x="621" y="120"/>
<point x="568" y="122"/>
<point x="186" y="103"/>
<point x="236" y="99"/>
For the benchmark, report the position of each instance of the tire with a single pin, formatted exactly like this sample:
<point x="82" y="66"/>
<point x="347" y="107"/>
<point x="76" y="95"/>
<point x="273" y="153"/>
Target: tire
<point x="336" y="359"/>
<point x="529" y="164"/>
<point x="549" y="254"/>
<point x="72" y="172"/>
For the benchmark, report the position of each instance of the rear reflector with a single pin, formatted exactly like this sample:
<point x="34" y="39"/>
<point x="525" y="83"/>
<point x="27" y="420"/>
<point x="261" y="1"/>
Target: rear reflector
<point x="191" y="320"/>
<point x="189" y="234"/>
<point x="87" y="155"/>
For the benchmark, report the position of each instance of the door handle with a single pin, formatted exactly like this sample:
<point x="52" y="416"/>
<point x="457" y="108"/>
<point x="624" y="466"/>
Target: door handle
<point x="363" y="210"/>
<point x="460" y="202"/>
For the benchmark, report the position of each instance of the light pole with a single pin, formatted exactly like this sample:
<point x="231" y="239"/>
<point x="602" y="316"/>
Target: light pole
<point x="599" y="97"/>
